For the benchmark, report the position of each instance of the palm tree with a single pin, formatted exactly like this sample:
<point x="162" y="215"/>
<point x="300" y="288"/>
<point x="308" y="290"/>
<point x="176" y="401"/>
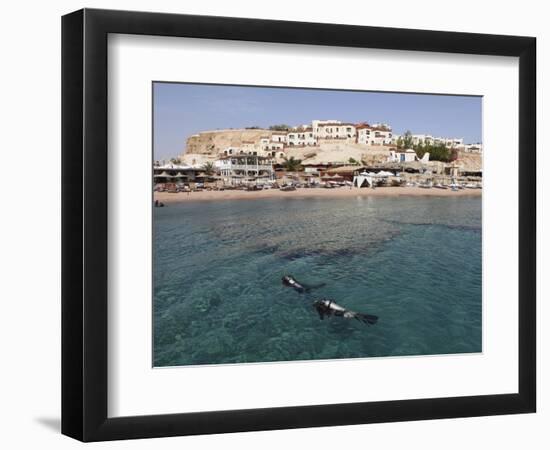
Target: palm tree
<point x="407" y="139"/>
<point x="292" y="165"/>
<point x="208" y="168"/>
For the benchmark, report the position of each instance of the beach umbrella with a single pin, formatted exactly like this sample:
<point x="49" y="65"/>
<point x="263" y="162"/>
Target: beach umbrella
<point x="166" y="175"/>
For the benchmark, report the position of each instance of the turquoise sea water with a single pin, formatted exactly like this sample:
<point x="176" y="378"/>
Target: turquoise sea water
<point x="414" y="262"/>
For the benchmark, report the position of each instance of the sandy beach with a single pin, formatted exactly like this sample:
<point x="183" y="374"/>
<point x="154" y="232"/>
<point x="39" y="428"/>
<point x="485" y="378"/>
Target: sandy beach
<point x="343" y="192"/>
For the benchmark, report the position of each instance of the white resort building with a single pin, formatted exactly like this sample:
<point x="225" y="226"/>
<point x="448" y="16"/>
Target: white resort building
<point x="376" y="134"/>
<point x="234" y="151"/>
<point x="335" y="130"/>
<point x="245" y="169"/>
<point x="279" y="136"/>
<point x="274" y="147"/>
<point x="301" y="137"/>
<point x="428" y="139"/>
<point x="408" y="155"/>
<point x="450" y="142"/>
<point x="316" y="124"/>
<point x="473" y="148"/>
<point x="251" y="148"/>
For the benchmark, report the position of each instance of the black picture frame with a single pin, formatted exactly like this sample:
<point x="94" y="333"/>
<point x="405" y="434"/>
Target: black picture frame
<point x="84" y="224"/>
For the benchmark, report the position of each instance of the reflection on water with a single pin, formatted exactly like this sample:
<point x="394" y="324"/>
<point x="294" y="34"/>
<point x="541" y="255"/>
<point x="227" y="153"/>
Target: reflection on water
<point x="414" y="262"/>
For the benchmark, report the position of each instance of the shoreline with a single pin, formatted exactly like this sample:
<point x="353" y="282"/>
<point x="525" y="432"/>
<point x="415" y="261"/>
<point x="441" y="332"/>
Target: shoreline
<point x="343" y="192"/>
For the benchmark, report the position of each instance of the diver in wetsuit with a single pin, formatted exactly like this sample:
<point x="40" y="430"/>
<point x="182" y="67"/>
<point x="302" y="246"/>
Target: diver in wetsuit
<point x="328" y="308"/>
<point x="290" y="281"/>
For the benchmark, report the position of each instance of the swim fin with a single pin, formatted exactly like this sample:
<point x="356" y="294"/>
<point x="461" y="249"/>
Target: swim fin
<point x="366" y="318"/>
<point x="309" y="288"/>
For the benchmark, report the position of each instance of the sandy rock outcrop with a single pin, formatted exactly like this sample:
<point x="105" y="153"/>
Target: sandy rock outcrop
<point x="215" y="142"/>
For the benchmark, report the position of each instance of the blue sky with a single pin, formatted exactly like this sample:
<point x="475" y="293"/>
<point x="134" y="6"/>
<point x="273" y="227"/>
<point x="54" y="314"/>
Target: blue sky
<point x="181" y="110"/>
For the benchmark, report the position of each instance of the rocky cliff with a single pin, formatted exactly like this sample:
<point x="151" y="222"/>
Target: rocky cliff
<point x="212" y="143"/>
<point x="339" y="153"/>
<point x="470" y="161"/>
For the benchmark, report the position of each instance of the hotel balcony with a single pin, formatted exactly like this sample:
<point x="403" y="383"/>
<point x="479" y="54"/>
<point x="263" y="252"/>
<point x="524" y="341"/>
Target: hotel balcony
<point x="267" y="167"/>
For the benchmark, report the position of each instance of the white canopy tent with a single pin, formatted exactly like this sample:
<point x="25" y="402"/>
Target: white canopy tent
<point x="366" y="179"/>
<point x="363" y="180"/>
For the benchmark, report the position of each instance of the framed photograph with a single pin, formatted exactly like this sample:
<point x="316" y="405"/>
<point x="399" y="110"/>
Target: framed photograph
<point x="273" y="225"/>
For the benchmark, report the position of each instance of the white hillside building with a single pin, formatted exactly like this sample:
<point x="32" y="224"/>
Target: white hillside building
<point x="473" y="148"/>
<point x="335" y="130"/>
<point x="408" y="155"/>
<point x="428" y="139"/>
<point x="301" y="138"/>
<point x="379" y="134"/>
<point x="279" y="136"/>
<point x="275" y="146"/>
<point x="316" y="123"/>
<point x="264" y="142"/>
<point x="449" y="142"/>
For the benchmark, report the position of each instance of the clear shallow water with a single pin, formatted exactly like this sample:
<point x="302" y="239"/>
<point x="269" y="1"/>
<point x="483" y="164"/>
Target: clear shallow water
<point x="415" y="262"/>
